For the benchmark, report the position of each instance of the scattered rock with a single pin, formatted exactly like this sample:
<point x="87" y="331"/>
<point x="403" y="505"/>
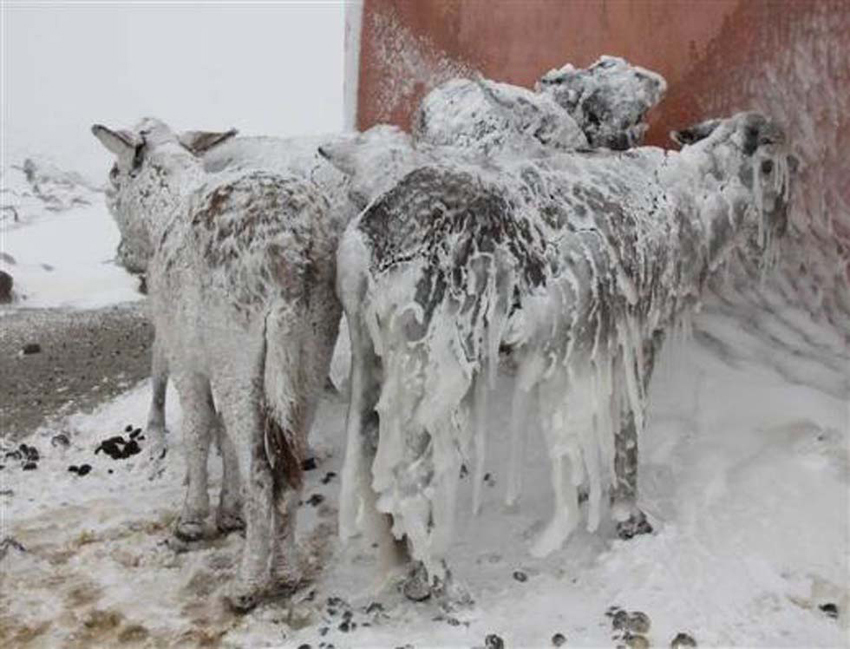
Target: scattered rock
<point x="305" y="646"/>
<point x="309" y="464"/>
<point x="682" y="640"/>
<point x="31" y="348"/>
<point x="118" y="448"/>
<point x="638" y="622"/>
<point x="30" y="466"/>
<point x="330" y="475"/>
<point x="489" y="480"/>
<point x="636" y="641"/>
<point x="6" y="282"/>
<point x="128" y="428"/>
<point x="345" y="626"/>
<point x="84" y="469"/>
<point x="463" y="471"/>
<point x="493" y="641"/>
<point x="830" y="609"/>
<point x="558" y="639"/>
<point x="315" y="500"/>
<point x="620" y="620"/>
<point x="30" y="453"/>
<point x="136" y="434"/>
<point x="60" y="440"/>
<point x="520" y="576"/>
<point x="375" y="607"/>
<point x="7" y="258"/>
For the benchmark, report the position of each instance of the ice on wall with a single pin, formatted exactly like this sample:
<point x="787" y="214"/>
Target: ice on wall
<point x="567" y="260"/>
<point x="792" y="69"/>
<point x="412" y="63"/>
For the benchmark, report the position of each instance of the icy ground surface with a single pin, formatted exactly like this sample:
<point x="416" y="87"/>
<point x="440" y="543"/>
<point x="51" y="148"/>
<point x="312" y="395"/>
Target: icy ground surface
<point x="744" y="475"/>
<point x="58" y="240"/>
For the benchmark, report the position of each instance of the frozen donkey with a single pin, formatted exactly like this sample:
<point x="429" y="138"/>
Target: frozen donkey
<point x="579" y="264"/>
<point x="241" y="282"/>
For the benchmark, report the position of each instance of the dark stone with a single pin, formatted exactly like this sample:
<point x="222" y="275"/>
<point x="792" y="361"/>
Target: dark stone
<point x="31" y="348"/>
<point x="60" y="440"/>
<point x="73" y="468"/>
<point x="309" y="464"/>
<point x="638" y="622"/>
<point x="558" y="639"/>
<point x="6" y="283"/>
<point x="305" y="646"/>
<point x="128" y="428"/>
<point x="620" y="620"/>
<point x="520" y="576"/>
<point x="30" y="453"/>
<point x="830" y="609"/>
<point x="683" y="640"/>
<point x="30" y="466"/>
<point x="323" y="631"/>
<point x="315" y="500"/>
<point x="345" y="626"/>
<point x="492" y="641"/>
<point x="84" y="469"/>
<point x="330" y="475"/>
<point x="375" y="607"/>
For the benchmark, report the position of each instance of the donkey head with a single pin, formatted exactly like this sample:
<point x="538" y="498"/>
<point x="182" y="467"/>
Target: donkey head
<point x="133" y="150"/>
<point x="750" y="152"/>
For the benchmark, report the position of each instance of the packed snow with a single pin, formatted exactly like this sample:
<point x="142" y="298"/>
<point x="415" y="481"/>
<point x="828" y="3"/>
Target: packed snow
<point x="58" y="240"/>
<point x="744" y="474"/>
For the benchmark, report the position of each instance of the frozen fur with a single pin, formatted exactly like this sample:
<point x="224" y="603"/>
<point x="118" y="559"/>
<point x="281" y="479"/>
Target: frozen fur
<point x="604" y="105"/>
<point x="580" y="264"/>
<point x="241" y="294"/>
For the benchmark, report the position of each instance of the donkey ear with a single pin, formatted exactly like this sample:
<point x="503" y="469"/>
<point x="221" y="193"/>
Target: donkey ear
<point x="121" y="143"/>
<point x="341" y="154"/>
<point x="695" y="133"/>
<point x="199" y="142"/>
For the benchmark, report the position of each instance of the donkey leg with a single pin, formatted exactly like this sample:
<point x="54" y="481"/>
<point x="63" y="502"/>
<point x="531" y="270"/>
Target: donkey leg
<point x="242" y="410"/>
<point x="631" y="521"/>
<point x="229" y="516"/>
<point x="198" y="419"/>
<point x="358" y="499"/>
<point x="155" y="428"/>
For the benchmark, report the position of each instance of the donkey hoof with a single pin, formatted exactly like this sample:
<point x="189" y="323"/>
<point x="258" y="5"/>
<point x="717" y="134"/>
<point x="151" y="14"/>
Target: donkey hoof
<point x="633" y="525"/>
<point x="227" y="522"/>
<point x="416" y="587"/>
<point x="241" y="600"/>
<point x="189" y="531"/>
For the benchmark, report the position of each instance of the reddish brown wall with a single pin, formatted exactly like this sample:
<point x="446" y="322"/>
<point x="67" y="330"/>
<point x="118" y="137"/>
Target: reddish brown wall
<point x="789" y="58"/>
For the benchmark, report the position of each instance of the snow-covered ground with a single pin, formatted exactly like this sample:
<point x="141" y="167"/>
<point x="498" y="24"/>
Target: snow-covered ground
<point x="58" y="239"/>
<point x="745" y="475"/>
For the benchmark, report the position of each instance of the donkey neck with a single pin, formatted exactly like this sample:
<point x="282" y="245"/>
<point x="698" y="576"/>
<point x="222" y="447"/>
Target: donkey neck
<point x="164" y="185"/>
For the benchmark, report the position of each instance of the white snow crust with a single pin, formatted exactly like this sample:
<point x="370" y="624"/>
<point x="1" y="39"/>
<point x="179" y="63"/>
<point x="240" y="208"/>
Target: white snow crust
<point x="745" y="475"/>
<point x="58" y="240"/>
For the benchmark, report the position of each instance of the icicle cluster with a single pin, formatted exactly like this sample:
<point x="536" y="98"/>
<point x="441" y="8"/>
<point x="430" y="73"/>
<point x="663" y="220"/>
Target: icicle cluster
<point x="575" y="262"/>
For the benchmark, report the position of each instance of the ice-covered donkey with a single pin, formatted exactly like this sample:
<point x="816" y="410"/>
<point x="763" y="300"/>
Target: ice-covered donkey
<point x="579" y="264"/>
<point x="241" y="283"/>
<point x="604" y="105"/>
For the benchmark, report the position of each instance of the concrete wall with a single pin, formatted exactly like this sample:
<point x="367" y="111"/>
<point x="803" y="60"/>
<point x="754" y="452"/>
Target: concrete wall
<point x="788" y="58"/>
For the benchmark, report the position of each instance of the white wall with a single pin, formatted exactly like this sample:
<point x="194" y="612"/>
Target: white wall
<point x="263" y="68"/>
